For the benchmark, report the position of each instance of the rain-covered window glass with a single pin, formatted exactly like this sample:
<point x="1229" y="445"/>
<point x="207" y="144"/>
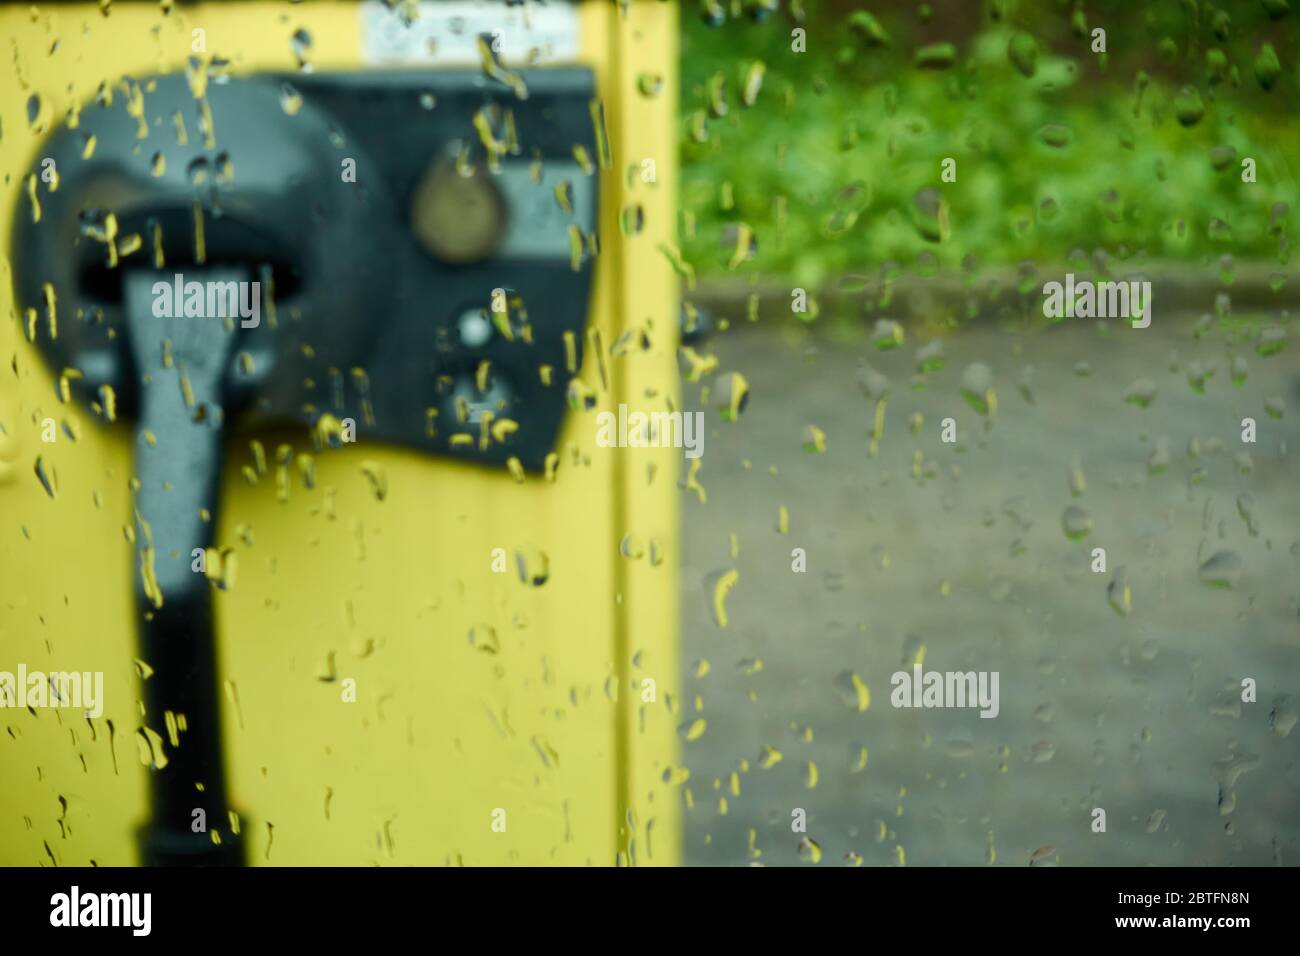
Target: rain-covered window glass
<point x="627" y="432"/>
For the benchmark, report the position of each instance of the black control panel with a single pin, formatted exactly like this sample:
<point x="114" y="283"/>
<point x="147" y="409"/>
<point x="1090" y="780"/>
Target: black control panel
<point x="422" y="241"/>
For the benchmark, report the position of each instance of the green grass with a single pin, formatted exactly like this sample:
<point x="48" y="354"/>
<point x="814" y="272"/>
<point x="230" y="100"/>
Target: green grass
<point x="827" y="165"/>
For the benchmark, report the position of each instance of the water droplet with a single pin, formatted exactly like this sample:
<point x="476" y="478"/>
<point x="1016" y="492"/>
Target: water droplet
<point x="1022" y="51"/>
<point x="1076" y="523"/>
<point x="930" y="216"/>
<point x="740" y="238"/>
<point x="300" y="43"/>
<point x="1158" y="460"/>
<point x="550" y="757"/>
<point x="35" y="107"/>
<point x="814" y="440"/>
<point x="650" y="84"/>
<point x="1119" y="594"/>
<point x="1197" y="375"/>
<point x="875" y="385"/>
<point x="887" y="334"/>
<point x="809" y="850"/>
<point x="197" y="171"/>
<point x="223" y="567"/>
<point x="564" y="196"/>
<point x="1271" y="341"/>
<point x="1055" y="135"/>
<point x="290" y="99"/>
<point x="768" y="757"/>
<point x="632" y="219"/>
<point x="1228" y="770"/>
<point x="930" y="357"/>
<point x="977" y="388"/>
<point x="378" y="478"/>
<point x="1267" y="67"/>
<point x="1282" y="718"/>
<point x="631" y="547"/>
<point x="493" y="68"/>
<point x="960" y="748"/>
<point x="1221" y="570"/>
<point x="853" y="693"/>
<point x="693" y="730"/>
<point x="1078" y="483"/>
<point x="534" y="566"/>
<point x="1044" y="856"/>
<point x="1189" y="108"/>
<point x="868" y="29"/>
<point x="1221" y="157"/>
<point x="717" y="586"/>
<point x="149" y="747"/>
<point x="753" y="82"/>
<point x="484" y="637"/>
<point x="1141" y="393"/>
<point x="731" y="396"/>
<point x="43" y="475"/>
<point x="935" y="56"/>
<point x="1246" y="509"/>
<point x="327" y="671"/>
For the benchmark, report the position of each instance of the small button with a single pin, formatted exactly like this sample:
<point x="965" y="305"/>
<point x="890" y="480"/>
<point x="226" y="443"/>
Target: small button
<point x="475" y="329"/>
<point x="497" y="399"/>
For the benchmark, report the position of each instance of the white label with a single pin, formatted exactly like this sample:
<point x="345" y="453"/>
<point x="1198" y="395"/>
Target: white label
<point x="539" y="229"/>
<point x="446" y="33"/>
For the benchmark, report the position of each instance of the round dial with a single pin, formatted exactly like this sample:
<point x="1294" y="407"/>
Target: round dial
<point x="459" y="219"/>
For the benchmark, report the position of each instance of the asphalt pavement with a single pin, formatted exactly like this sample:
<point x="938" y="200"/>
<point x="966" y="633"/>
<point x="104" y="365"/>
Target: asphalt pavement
<point x="1120" y="691"/>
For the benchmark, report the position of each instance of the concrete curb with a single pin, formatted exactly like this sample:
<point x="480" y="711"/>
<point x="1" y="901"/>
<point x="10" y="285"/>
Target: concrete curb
<point x="1002" y="293"/>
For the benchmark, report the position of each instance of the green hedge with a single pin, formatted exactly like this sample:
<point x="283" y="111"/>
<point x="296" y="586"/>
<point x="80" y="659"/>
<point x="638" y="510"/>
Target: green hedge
<point x="830" y="166"/>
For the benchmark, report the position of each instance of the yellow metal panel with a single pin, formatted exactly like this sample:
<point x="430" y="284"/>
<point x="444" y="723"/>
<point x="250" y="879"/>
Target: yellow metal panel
<point x="475" y="691"/>
<point x="644" y="43"/>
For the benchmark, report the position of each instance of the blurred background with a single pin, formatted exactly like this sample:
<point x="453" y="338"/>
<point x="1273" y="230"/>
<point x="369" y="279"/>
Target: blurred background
<point x="905" y="462"/>
<point x="821" y="171"/>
